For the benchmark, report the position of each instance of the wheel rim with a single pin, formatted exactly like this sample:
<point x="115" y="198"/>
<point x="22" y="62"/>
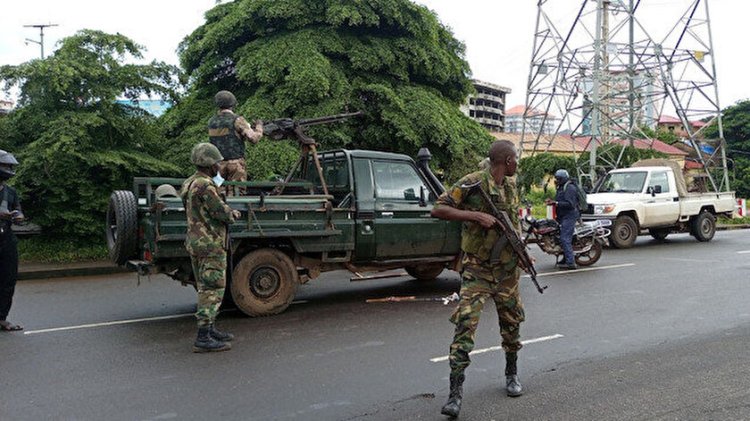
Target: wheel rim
<point x="624" y="232"/>
<point x="265" y="282"/>
<point x="706" y="227"/>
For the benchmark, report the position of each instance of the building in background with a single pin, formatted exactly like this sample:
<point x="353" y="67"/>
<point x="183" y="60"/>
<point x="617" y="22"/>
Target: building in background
<point x="536" y="121"/>
<point x="487" y="106"/>
<point x="616" y="108"/>
<point x="155" y="107"/>
<point x="5" y="106"/>
<point x="674" y="125"/>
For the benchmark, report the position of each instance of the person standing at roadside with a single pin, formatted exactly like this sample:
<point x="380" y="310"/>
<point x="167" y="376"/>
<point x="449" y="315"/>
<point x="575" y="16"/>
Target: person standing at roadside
<point x="208" y="218"/>
<point x="566" y="205"/>
<point x="228" y="132"/>
<point x="490" y="267"/>
<point x="10" y="213"/>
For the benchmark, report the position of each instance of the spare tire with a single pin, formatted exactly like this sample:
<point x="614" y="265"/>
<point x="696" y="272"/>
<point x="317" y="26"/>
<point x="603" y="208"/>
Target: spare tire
<point x="122" y="226"/>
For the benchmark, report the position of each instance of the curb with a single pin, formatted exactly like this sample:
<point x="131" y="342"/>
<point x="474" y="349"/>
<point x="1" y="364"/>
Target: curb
<point x="25" y="275"/>
<point x="732" y="227"/>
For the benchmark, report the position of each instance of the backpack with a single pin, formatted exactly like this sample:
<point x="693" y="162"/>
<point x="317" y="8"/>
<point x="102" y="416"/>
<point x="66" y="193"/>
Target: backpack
<point x="583" y="205"/>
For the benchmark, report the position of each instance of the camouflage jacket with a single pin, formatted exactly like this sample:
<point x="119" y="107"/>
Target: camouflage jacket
<point x="206" y="214"/>
<point x="485" y="247"/>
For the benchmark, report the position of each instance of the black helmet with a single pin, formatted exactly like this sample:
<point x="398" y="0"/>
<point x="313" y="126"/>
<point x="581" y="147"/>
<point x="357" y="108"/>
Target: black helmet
<point x="561" y="176"/>
<point x="225" y="100"/>
<point x="7" y="162"/>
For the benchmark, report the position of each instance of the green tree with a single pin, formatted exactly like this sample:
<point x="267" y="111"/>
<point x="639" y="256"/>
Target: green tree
<point x="736" y="125"/>
<point x="391" y="59"/>
<point x="666" y="136"/>
<point x="74" y="142"/>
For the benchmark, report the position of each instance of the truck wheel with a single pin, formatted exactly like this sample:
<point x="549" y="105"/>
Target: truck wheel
<point x="426" y="272"/>
<point x="592" y="256"/>
<point x="659" y="234"/>
<point x="703" y="226"/>
<point x="122" y="226"/>
<point x="264" y="282"/>
<point x="624" y="232"/>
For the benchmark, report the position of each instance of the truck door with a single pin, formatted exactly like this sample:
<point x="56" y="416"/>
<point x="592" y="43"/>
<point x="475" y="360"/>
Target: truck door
<point x="661" y="208"/>
<point x="403" y="227"/>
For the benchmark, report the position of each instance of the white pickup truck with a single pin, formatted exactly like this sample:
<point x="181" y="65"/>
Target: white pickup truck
<point x="652" y="195"/>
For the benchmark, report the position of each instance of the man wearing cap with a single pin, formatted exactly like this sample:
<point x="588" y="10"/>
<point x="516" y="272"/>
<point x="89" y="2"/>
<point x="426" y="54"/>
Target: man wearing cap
<point x="208" y="218"/>
<point x="228" y="132"/>
<point x="10" y="212"/>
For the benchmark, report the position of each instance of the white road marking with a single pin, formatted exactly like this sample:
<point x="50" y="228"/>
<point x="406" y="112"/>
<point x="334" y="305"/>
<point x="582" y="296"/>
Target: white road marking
<point x="567" y="272"/>
<point x="114" y="323"/>
<point x="498" y="348"/>
<point x="743" y="252"/>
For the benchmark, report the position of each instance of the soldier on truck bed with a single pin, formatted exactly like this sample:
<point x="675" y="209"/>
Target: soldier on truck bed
<point x="228" y="132"/>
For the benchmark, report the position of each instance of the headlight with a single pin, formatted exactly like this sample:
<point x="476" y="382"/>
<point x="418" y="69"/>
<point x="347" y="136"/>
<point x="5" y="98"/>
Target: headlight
<point x="602" y="209"/>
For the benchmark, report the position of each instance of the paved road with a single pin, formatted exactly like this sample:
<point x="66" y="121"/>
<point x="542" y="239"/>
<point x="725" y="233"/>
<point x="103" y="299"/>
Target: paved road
<point x="655" y="332"/>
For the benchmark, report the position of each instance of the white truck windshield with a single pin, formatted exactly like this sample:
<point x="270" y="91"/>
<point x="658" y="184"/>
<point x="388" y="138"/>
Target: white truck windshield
<point x="623" y="182"/>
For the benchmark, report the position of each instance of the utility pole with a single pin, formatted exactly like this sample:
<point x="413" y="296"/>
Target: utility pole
<point x="41" y="35"/>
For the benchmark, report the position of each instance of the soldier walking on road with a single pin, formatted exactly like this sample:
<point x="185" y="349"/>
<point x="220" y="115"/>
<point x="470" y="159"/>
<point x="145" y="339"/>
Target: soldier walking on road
<point x="490" y="268"/>
<point x="208" y="217"/>
<point x="228" y="132"/>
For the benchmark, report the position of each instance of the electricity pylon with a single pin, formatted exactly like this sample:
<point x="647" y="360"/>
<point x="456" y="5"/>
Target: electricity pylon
<point x="608" y="75"/>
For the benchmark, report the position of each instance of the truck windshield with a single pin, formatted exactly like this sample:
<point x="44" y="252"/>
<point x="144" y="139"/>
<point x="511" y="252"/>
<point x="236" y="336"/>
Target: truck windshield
<point x="623" y="182"/>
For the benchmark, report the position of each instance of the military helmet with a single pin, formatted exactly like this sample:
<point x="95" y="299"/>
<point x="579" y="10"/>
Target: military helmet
<point x="7" y="162"/>
<point x="225" y="100"/>
<point x="205" y="155"/>
<point x="561" y="175"/>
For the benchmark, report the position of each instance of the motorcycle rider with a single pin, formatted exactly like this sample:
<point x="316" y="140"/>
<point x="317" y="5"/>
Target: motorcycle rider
<point x="566" y="201"/>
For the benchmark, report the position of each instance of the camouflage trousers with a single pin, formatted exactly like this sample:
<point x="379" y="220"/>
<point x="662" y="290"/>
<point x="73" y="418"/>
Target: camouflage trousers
<point x="474" y="292"/>
<point x="210" y="280"/>
<point x="233" y="170"/>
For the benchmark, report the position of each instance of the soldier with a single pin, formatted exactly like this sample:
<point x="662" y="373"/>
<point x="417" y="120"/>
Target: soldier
<point x="566" y="202"/>
<point x="228" y="132"/>
<point x="490" y="268"/>
<point x="208" y="218"/>
<point x="10" y="212"/>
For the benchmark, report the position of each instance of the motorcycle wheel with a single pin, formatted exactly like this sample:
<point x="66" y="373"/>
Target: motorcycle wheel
<point x="590" y="257"/>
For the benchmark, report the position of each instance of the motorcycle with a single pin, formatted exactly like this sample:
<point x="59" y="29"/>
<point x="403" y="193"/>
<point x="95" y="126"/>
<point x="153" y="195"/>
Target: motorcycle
<point x="588" y="238"/>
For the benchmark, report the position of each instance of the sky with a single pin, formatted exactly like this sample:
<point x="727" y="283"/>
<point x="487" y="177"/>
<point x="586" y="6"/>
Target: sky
<point x="498" y="34"/>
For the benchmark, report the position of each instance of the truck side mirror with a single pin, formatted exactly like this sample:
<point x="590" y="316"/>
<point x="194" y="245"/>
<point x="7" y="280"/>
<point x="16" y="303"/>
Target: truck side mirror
<point x="657" y="189"/>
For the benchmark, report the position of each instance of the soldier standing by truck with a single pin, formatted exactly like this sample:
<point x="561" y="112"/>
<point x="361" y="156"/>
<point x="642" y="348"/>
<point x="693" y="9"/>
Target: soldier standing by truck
<point x="228" y="132"/>
<point x="490" y="267"/>
<point x="208" y="217"/>
<point x="10" y="212"/>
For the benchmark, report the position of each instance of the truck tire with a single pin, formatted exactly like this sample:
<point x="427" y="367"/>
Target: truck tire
<point x="592" y="256"/>
<point x="703" y="226"/>
<point x="264" y="282"/>
<point x="659" y="234"/>
<point x="624" y="232"/>
<point x="122" y="226"/>
<point x="425" y="272"/>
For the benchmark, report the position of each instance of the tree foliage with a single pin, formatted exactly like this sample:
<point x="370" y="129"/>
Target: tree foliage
<point x="391" y="59"/>
<point x="736" y="125"/>
<point x="74" y="143"/>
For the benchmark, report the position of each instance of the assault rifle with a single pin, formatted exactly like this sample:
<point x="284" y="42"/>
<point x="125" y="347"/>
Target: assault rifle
<point x="282" y="128"/>
<point x="412" y="298"/>
<point x="504" y="227"/>
<point x="287" y="128"/>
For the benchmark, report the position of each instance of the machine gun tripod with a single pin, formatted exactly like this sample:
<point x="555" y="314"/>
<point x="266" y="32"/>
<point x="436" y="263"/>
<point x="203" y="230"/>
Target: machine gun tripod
<point x="287" y="128"/>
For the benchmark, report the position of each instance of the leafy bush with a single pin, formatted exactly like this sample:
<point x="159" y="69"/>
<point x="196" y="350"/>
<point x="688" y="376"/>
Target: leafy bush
<point x="43" y="249"/>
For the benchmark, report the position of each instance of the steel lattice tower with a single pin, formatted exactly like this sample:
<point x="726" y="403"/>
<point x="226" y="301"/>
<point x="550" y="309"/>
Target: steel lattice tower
<point x="607" y="75"/>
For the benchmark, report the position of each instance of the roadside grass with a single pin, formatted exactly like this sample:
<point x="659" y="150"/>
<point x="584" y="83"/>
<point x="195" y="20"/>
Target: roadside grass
<point x="40" y="249"/>
<point x="733" y="221"/>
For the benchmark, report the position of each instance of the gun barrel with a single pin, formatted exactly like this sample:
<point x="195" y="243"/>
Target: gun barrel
<point x="306" y="122"/>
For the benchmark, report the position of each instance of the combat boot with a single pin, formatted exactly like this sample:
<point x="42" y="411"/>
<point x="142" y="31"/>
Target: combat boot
<point x="205" y="343"/>
<point x="453" y="406"/>
<point x="512" y="384"/>
<point x="219" y="335"/>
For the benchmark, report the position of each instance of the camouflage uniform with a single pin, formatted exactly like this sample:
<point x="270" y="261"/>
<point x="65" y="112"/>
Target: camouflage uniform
<point x="207" y="216"/>
<point x="490" y="269"/>
<point x="226" y="131"/>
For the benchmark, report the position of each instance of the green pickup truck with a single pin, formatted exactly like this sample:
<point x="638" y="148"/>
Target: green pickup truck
<point x="375" y="216"/>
